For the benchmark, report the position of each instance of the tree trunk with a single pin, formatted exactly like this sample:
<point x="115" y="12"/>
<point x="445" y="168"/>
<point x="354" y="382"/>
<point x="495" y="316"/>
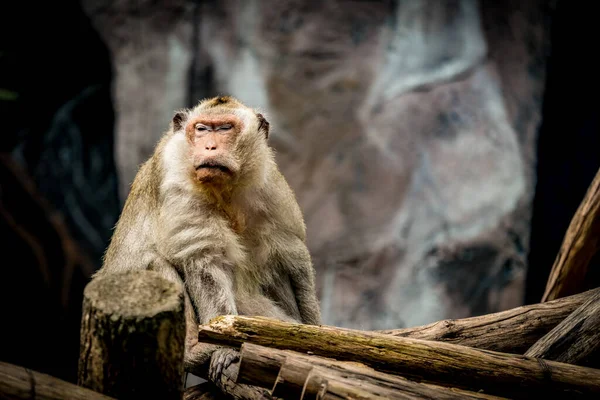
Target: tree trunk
<point x="579" y="245"/>
<point x="132" y="336"/>
<point x="436" y="362"/>
<point x="21" y="383"/>
<point x="291" y="380"/>
<point x="510" y="331"/>
<point x="576" y="340"/>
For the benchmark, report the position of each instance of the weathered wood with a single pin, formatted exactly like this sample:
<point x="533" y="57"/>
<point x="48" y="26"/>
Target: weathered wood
<point x="291" y="380"/>
<point x="203" y="391"/>
<point x="259" y="365"/>
<point x="510" y="331"/>
<point x="333" y="386"/>
<point x="294" y="369"/>
<point x="312" y="386"/>
<point x="437" y="362"/>
<point x="17" y="382"/>
<point x="226" y="380"/>
<point x="132" y="336"/>
<point x="576" y="340"/>
<point x="580" y="244"/>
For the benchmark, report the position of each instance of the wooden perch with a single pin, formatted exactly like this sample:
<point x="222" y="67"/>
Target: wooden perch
<point x="132" y="336"/>
<point x="227" y="382"/>
<point x="296" y="367"/>
<point x="335" y="386"/>
<point x="510" y="331"/>
<point x="579" y="245"/>
<point x="436" y="362"/>
<point x="576" y="340"/>
<point x="203" y="391"/>
<point x="21" y="383"/>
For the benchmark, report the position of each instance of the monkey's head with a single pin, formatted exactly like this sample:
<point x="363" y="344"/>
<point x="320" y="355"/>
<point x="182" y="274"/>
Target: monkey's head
<point x="226" y="140"/>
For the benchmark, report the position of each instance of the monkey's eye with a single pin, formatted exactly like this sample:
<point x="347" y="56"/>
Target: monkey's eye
<point x="201" y="128"/>
<point x="225" y="127"/>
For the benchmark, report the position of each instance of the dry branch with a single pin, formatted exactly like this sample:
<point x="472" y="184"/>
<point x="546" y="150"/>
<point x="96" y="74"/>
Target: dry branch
<point x="334" y="386"/>
<point x="203" y="391"/>
<point x="437" y="362"/>
<point x="132" y="336"/>
<point x="576" y="340"/>
<point x="579" y="245"/>
<point x="510" y="331"/>
<point x="227" y="382"/>
<point x="294" y="372"/>
<point x="21" y="383"/>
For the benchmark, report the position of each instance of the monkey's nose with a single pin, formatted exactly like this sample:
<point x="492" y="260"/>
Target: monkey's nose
<point x="210" y="147"/>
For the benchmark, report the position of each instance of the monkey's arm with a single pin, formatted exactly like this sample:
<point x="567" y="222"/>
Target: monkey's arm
<point x="197" y="357"/>
<point x="302" y="277"/>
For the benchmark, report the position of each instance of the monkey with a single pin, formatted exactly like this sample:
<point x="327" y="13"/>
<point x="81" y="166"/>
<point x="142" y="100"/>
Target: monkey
<point x="211" y="211"/>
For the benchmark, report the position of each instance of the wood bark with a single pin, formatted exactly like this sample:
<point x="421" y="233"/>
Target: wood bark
<point x="17" y="382"/>
<point x="132" y="336"/>
<point x="436" y="362"/>
<point x="580" y="244"/>
<point x="335" y="386"/>
<point x="323" y="383"/>
<point x="228" y="383"/>
<point x="510" y="331"/>
<point x="292" y="377"/>
<point x="203" y="391"/>
<point x="576" y="340"/>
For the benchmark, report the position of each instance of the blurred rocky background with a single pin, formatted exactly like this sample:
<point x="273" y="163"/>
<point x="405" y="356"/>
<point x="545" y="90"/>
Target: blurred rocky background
<point x="438" y="149"/>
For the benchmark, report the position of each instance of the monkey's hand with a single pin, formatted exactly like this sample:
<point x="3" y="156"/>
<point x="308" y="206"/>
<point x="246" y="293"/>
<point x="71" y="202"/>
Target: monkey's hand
<point x="222" y="368"/>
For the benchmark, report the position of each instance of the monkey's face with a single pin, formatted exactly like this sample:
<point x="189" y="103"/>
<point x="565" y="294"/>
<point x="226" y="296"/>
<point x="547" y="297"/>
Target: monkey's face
<point x="212" y="140"/>
<point x="227" y="141"/>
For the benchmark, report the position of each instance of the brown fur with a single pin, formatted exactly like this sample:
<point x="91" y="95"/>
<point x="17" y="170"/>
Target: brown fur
<point x="235" y="243"/>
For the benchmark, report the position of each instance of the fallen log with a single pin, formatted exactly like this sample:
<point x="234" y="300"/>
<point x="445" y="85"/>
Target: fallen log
<point x="510" y="331"/>
<point x="434" y="362"/>
<point x="576" y="340"/>
<point x="296" y="368"/>
<point x="17" y="382"/>
<point x="132" y="336"/>
<point x="580" y="243"/>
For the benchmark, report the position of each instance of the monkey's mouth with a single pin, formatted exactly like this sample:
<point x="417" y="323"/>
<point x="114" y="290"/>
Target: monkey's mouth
<point x="211" y="165"/>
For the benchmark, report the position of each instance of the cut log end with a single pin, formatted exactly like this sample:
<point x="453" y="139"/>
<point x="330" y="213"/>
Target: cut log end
<point x="132" y="336"/>
<point x="131" y="294"/>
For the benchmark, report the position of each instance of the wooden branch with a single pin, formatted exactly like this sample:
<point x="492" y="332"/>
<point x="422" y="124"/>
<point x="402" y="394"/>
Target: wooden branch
<point x="21" y="383"/>
<point x="510" y="331"/>
<point x="436" y="362"/>
<point x="132" y="336"/>
<point x="576" y="340"/>
<point x="580" y="244"/>
<point x="291" y="380"/>
<point x="227" y="382"/>
<point x="334" y="386"/>
<point x="203" y="391"/>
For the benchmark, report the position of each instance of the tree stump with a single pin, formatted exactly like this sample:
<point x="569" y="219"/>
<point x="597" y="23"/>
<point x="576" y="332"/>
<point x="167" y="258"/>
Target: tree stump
<point x="132" y="336"/>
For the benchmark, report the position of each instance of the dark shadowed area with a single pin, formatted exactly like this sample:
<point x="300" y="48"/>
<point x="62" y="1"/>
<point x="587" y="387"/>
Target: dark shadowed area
<point x="438" y="150"/>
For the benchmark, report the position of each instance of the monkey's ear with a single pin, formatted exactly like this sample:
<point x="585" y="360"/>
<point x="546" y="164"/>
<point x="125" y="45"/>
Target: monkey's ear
<point x="178" y="119"/>
<point x="263" y="125"/>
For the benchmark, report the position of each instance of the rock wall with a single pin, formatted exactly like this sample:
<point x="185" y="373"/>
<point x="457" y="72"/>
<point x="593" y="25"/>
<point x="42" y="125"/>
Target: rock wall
<point x="406" y="128"/>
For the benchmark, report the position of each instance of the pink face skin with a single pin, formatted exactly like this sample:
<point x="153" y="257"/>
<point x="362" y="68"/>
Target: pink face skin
<point x="212" y="140"/>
